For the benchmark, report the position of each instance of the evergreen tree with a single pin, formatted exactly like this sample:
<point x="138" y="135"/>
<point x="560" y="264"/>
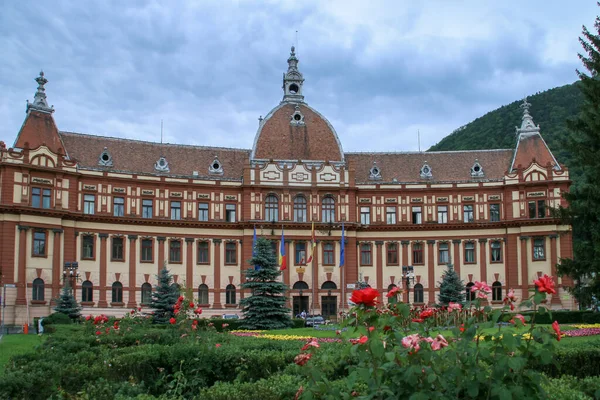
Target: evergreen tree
<point x="164" y="297"/>
<point x="265" y="308"/>
<point x="583" y="211"/>
<point x="66" y="303"/>
<point x="452" y="288"/>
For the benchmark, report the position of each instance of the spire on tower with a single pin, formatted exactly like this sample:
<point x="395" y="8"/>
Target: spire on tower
<point x="527" y="126"/>
<point x="39" y="99"/>
<point x="293" y="80"/>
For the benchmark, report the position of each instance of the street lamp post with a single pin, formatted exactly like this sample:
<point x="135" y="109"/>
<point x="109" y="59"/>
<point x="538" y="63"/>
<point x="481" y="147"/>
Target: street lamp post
<point x="71" y="274"/>
<point x="408" y="273"/>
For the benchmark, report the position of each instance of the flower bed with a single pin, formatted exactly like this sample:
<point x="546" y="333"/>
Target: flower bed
<point x="260" y="334"/>
<point x="583" y="332"/>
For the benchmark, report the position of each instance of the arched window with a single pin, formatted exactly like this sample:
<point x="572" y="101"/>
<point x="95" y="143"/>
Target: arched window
<point x="230" y="294"/>
<point x="327" y="285"/>
<point x="38" y="289"/>
<point x="496" y="291"/>
<point x="117" y="292"/>
<point x="469" y="294"/>
<point x="300" y="285"/>
<point x="87" y="292"/>
<point x="203" y="294"/>
<point x="418" y="296"/>
<point x="146" y="293"/>
<point x="271" y="208"/>
<point x="300" y="209"/>
<point x="328" y="210"/>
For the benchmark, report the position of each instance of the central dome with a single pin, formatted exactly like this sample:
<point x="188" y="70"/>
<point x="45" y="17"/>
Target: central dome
<point x="296" y="132"/>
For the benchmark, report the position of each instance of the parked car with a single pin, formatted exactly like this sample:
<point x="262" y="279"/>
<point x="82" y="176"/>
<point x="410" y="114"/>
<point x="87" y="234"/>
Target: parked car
<point x="231" y="316"/>
<point x="314" y="320"/>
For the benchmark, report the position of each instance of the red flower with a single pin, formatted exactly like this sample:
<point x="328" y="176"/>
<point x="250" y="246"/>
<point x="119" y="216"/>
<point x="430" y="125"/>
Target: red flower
<point x="387" y="328"/>
<point x="545" y="284"/>
<point x="312" y="343"/>
<point x="172" y="321"/>
<point x="139" y="308"/>
<point x="363" y="340"/>
<point x="426" y="313"/>
<point x="195" y="322"/>
<point x="191" y="305"/>
<point x="107" y="330"/>
<point x="218" y="345"/>
<point x="338" y="332"/>
<point x="88" y="317"/>
<point x="462" y="327"/>
<point x="224" y="325"/>
<point x="556" y="328"/>
<point x="132" y="312"/>
<point x="481" y="286"/>
<point x="198" y="311"/>
<point x="393" y="292"/>
<point x="371" y="328"/>
<point x="180" y="299"/>
<point x="365" y="296"/>
<point x="419" y="320"/>
<point x="520" y="318"/>
<point x="98" y="333"/>
<point x="303" y="358"/>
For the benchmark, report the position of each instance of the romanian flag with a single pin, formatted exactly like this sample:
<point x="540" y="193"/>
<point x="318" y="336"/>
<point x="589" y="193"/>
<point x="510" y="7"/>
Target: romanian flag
<point x="282" y="256"/>
<point x="313" y="244"/>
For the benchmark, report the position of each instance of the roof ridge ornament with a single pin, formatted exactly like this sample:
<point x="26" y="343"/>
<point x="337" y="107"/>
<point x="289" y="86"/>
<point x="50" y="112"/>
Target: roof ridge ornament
<point x="162" y="165"/>
<point x="477" y="170"/>
<point x="105" y="159"/>
<point x="216" y="167"/>
<point x="426" y="171"/>
<point x="39" y="99"/>
<point x="375" y="172"/>
<point x="528" y="127"/>
<point x="293" y="81"/>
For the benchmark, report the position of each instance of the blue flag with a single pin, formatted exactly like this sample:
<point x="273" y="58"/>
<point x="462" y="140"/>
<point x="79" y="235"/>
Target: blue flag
<point x="342" y="248"/>
<point x="256" y="267"/>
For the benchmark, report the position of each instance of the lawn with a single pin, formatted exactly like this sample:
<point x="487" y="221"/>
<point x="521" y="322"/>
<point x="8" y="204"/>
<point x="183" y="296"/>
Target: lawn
<point x="11" y="345"/>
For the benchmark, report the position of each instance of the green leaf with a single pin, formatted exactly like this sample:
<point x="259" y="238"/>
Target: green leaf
<point x="377" y="348"/>
<point x="473" y="390"/>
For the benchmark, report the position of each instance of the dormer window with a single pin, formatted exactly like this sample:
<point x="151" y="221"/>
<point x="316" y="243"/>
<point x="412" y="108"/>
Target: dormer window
<point x="375" y="172"/>
<point x="216" y="167"/>
<point x="426" y="171"/>
<point x="477" y="170"/>
<point x="162" y="165"/>
<point x="297" y="117"/>
<point x="105" y="159"/>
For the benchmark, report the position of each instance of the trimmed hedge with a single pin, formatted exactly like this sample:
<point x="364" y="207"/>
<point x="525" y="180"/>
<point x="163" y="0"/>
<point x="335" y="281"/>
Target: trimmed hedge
<point x="577" y="362"/>
<point x="563" y="317"/>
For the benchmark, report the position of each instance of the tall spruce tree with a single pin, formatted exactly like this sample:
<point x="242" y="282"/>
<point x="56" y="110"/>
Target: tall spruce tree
<point x="452" y="288"/>
<point x="583" y="211"/>
<point x="164" y="297"/>
<point x="66" y="303"/>
<point x="265" y="308"/>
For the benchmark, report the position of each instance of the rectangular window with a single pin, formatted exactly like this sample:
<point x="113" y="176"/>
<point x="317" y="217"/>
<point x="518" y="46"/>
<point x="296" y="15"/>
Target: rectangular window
<point x="117" y="249"/>
<point x="496" y="252"/>
<point x="39" y="244"/>
<point x="230" y="253"/>
<point x="443" y="253"/>
<point x="87" y="247"/>
<point x="147" y="250"/>
<point x="532" y="210"/>
<point x="468" y="213"/>
<point x="230" y="213"/>
<point x="390" y="215"/>
<point x="175" y="210"/>
<point x="147" y="208"/>
<point x="328" y="254"/>
<point x="175" y="251"/>
<point x="365" y="254"/>
<point x="392" y="254"/>
<point x="118" y="206"/>
<point x="203" y="253"/>
<point x="89" y="203"/>
<point x="36" y="197"/>
<point x="539" y="249"/>
<point x="203" y="212"/>
<point x="494" y="212"/>
<point x="46" y="198"/>
<point x="469" y="252"/>
<point x="417" y="215"/>
<point x="541" y="208"/>
<point x="365" y="215"/>
<point x="442" y="214"/>
<point x="300" y="253"/>
<point x="417" y="250"/>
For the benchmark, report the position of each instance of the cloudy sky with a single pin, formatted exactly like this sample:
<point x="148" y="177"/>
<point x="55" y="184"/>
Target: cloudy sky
<point x="379" y="71"/>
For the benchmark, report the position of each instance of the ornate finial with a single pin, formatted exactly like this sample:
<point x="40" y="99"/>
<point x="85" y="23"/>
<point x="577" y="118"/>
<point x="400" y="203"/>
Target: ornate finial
<point x="260" y="119"/>
<point x="293" y="52"/>
<point x="293" y="80"/>
<point x="527" y="126"/>
<point x="39" y="99"/>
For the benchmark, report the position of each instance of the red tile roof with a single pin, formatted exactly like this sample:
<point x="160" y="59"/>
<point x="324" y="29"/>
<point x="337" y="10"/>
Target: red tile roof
<point x="139" y="156"/>
<point x="39" y="129"/>
<point x="446" y="166"/>
<point x="315" y="140"/>
<point x="532" y="148"/>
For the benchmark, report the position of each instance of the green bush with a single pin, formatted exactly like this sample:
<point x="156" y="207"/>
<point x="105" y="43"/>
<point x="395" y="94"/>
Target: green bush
<point x="571" y="388"/>
<point x="56" y="319"/>
<point x="298" y="323"/>
<point x="591" y="318"/>
<point x="275" y="387"/>
<point x="562" y="317"/>
<point x="579" y="362"/>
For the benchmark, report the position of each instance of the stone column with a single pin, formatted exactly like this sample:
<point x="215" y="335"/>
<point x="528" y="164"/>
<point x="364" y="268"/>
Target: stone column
<point x="131" y="301"/>
<point x="161" y="252"/>
<point x="379" y="266"/>
<point x="56" y="269"/>
<point x="217" y="274"/>
<point x="430" y="272"/>
<point x="22" y="281"/>
<point x="189" y="263"/>
<point x="103" y="270"/>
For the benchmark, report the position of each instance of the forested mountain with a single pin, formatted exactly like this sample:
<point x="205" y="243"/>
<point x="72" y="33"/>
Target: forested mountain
<point x="496" y="129"/>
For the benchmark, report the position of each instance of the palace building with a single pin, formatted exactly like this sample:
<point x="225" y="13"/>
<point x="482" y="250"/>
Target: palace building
<point x="107" y="213"/>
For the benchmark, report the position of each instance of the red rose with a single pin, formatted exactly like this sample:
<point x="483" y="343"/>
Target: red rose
<point x="365" y="296"/>
<point x="545" y="284"/>
<point x="172" y="321"/>
<point x="191" y="305"/>
<point x="303" y="358"/>
<point x="98" y="333"/>
<point x="363" y="340"/>
<point x="88" y="317"/>
<point x="393" y="292"/>
<point x="218" y="345"/>
<point x="198" y="311"/>
<point x="426" y="313"/>
<point x="556" y="328"/>
<point x="419" y="320"/>
<point x="371" y="328"/>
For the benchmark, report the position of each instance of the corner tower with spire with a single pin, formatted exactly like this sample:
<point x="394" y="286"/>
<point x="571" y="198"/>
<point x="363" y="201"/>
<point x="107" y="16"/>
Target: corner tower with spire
<point x="292" y="81"/>
<point x="39" y="99"/>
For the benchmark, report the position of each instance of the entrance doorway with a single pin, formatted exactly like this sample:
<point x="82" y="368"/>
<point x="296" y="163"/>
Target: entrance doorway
<point x="300" y="303"/>
<point x="329" y="307"/>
